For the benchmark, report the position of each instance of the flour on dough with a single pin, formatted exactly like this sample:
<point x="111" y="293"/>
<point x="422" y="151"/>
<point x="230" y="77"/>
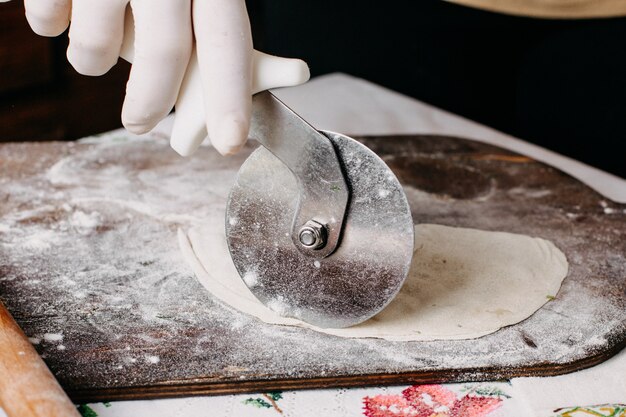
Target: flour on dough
<point x="463" y="283"/>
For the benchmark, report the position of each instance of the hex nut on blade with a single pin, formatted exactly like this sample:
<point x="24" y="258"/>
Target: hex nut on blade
<point x="312" y="235"/>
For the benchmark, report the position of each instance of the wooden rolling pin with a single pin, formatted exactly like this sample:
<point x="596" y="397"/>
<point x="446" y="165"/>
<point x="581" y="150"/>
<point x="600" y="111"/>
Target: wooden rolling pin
<point x="27" y="387"/>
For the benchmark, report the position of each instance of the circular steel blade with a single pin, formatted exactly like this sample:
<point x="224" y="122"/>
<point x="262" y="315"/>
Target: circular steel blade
<point x="352" y="284"/>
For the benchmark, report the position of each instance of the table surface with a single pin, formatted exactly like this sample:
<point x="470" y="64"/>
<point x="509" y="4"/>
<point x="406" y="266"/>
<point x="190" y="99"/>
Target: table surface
<point x="352" y="106"/>
<point x="90" y="255"/>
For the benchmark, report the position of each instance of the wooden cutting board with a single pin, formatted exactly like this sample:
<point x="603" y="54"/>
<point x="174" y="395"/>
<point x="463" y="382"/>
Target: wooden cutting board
<point x="91" y="270"/>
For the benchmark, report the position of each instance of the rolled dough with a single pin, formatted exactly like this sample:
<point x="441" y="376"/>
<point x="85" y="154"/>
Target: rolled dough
<point x="463" y="283"/>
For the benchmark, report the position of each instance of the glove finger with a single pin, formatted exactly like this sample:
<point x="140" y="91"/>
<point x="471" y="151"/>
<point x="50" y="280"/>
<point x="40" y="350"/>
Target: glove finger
<point x="163" y="43"/>
<point x="48" y="17"/>
<point x="96" y="35"/>
<point x="224" y="49"/>
<point x="269" y="71"/>
<point x="189" y="129"/>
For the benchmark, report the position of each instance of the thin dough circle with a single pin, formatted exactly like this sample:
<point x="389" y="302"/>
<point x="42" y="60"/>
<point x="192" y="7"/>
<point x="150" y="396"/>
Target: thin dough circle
<point x="463" y="283"/>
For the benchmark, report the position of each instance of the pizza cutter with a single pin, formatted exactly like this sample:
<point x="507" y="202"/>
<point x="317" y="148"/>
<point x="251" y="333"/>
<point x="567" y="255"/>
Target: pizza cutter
<point x="317" y="225"/>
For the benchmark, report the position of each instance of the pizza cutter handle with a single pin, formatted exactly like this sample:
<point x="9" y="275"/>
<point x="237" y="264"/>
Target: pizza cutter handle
<point x="311" y="157"/>
<point x="189" y="129"/>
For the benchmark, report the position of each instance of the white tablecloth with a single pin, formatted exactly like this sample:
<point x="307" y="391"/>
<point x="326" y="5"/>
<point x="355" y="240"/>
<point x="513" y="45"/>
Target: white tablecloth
<point x="352" y="106"/>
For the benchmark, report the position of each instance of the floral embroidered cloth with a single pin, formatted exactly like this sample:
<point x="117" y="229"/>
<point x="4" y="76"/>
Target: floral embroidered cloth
<point x="497" y="399"/>
<point x="436" y="400"/>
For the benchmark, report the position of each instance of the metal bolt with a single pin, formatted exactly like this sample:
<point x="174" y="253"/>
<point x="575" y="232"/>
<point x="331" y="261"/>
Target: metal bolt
<point x="312" y="235"/>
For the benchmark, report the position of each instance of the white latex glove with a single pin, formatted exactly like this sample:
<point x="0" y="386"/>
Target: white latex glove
<point x="204" y="105"/>
<point x="193" y="115"/>
<point x="163" y="43"/>
<point x="217" y="89"/>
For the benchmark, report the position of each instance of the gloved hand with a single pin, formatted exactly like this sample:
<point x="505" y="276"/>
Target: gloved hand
<point x="160" y="32"/>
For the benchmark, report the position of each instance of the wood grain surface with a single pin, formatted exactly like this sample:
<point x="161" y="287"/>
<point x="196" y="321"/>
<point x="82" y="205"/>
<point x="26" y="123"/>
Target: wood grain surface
<point x="135" y="323"/>
<point x="27" y="387"/>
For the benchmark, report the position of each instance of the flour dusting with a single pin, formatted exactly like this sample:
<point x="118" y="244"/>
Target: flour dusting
<point x="85" y="223"/>
<point x="53" y="337"/>
<point x="89" y="256"/>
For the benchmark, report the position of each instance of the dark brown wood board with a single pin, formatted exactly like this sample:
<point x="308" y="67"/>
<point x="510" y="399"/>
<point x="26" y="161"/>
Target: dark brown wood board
<point x="91" y="270"/>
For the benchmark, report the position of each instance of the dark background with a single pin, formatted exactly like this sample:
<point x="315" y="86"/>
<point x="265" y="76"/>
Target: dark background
<point x="560" y="84"/>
